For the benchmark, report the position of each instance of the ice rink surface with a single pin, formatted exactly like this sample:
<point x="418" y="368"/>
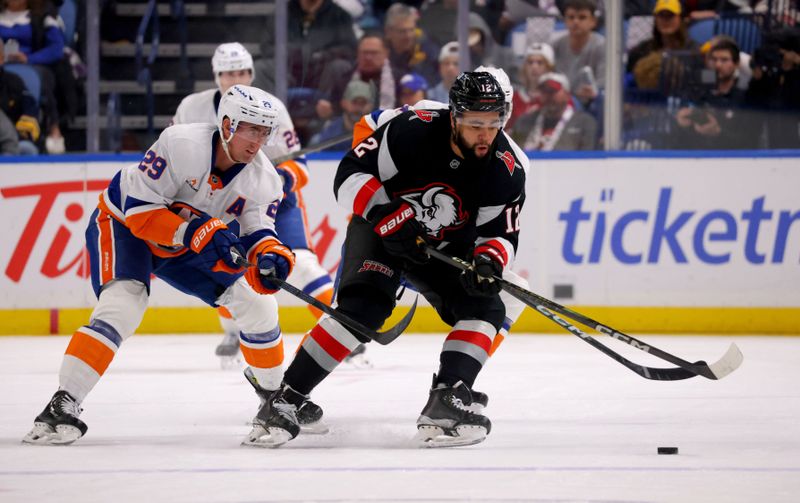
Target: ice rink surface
<point x="569" y="425"/>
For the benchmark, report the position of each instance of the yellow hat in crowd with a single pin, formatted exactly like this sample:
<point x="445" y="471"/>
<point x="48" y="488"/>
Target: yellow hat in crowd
<point x="673" y="6"/>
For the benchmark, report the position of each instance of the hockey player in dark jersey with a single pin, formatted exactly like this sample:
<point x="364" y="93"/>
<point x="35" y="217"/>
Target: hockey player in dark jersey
<point x="449" y="178"/>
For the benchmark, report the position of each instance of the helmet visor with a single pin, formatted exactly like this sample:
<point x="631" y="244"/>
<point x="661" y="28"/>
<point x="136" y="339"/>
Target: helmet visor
<point x="480" y="119"/>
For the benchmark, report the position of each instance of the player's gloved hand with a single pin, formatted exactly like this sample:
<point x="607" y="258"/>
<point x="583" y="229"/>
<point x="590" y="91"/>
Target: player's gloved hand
<point x="478" y="282"/>
<point x="294" y="175"/>
<point x="275" y="260"/>
<point x="288" y="178"/>
<point x="399" y="230"/>
<point x="210" y="238"/>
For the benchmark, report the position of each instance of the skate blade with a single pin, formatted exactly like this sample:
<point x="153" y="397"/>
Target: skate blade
<point x="315" y="428"/>
<point x="270" y="437"/>
<point x="429" y="436"/>
<point x="44" y="434"/>
<point x="358" y="362"/>
<point x="230" y="362"/>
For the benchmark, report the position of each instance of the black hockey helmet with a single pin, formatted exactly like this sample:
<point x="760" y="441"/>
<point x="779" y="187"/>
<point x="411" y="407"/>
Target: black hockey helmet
<point x="477" y="92"/>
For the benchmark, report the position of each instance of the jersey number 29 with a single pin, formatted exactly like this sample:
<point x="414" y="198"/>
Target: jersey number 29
<point x="153" y="165"/>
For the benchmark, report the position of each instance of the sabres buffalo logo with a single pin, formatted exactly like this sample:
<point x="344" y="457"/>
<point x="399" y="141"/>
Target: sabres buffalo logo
<point x="424" y="115"/>
<point x="438" y="208"/>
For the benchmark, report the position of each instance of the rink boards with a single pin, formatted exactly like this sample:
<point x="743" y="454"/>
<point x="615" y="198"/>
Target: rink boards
<point x="680" y="243"/>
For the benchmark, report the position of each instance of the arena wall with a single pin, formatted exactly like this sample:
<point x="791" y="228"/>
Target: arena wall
<point x="646" y="242"/>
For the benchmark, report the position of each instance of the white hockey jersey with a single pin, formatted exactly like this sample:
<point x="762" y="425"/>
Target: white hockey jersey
<point x="178" y="169"/>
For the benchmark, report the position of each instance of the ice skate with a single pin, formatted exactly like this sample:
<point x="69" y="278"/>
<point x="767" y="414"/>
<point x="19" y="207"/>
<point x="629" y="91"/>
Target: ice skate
<point x="58" y="424"/>
<point x="309" y="414"/>
<point x="445" y="420"/>
<point x="276" y="422"/>
<point x="228" y="351"/>
<point x="358" y="358"/>
<point x="480" y="401"/>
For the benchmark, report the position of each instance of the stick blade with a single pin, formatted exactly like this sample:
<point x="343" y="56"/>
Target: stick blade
<point x="393" y="333"/>
<point x="729" y="362"/>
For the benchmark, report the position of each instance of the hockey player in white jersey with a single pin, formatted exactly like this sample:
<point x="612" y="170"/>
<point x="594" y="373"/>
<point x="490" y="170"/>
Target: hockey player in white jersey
<point x="232" y="64"/>
<point x="370" y="122"/>
<point x="172" y="216"/>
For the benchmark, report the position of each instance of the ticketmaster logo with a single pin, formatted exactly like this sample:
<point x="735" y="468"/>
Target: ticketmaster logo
<point x="682" y="236"/>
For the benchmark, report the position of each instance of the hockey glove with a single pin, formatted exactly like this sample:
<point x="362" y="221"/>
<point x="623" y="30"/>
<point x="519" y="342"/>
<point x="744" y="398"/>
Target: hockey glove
<point x="478" y="282"/>
<point x="274" y="260"/>
<point x="399" y="230"/>
<point x="210" y="238"/>
<point x="293" y="175"/>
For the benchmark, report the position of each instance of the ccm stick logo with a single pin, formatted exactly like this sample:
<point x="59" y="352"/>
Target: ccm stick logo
<point x="600" y="328"/>
<point x="393" y="223"/>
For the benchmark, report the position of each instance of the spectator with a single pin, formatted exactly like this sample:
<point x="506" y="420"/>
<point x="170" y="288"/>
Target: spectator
<point x="695" y="10"/>
<point x="775" y="86"/>
<point x="539" y="59"/>
<point x="669" y="34"/>
<point x="483" y="50"/>
<point x="20" y="112"/>
<point x="409" y="49"/>
<point x="356" y="102"/>
<point x="448" y="71"/>
<point x="744" y="71"/>
<point x="411" y="88"/>
<point x="557" y="125"/>
<point x="580" y="53"/>
<point x="718" y="122"/>
<point x="372" y="67"/>
<point x="320" y="33"/>
<point x="32" y="36"/>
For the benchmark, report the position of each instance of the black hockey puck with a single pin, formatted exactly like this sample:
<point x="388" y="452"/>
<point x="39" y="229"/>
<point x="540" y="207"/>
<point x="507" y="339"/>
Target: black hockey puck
<point x="668" y="450"/>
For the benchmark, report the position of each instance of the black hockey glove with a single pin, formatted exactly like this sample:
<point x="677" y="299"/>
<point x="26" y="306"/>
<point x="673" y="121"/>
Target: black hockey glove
<point x="478" y="282"/>
<point x="399" y="230"/>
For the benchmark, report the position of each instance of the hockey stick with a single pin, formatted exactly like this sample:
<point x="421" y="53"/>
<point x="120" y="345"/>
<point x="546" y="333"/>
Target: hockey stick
<point x="382" y="338"/>
<point x="312" y="148"/>
<point x="729" y="362"/>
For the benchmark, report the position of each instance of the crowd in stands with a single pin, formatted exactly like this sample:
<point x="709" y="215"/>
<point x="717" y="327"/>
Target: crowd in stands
<point x="686" y="85"/>
<point x="35" y="52"/>
<point x="683" y="89"/>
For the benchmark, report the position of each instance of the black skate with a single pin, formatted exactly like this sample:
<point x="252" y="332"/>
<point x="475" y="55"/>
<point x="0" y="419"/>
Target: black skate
<point x="228" y="351"/>
<point x="309" y="414"/>
<point x="58" y="424"/>
<point x="479" y="402"/>
<point x="445" y="421"/>
<point x="276" y="421"/>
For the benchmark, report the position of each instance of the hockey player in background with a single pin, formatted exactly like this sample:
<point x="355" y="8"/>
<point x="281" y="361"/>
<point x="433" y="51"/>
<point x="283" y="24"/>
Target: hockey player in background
<point x="232" y="64"/>
<point x="171" y="216"/>
<point x="448" y="178"/>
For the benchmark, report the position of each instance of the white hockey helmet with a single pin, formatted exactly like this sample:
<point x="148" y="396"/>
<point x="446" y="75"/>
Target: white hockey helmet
<point x="501" y="77"/>
<point x="231" y="57"/>
<point x="246" y="104"/>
